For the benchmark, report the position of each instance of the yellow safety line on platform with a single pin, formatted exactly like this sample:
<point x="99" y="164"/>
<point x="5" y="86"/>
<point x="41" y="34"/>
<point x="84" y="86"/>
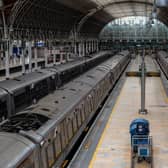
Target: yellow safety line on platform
<point x="163" y="92"/>
<point x="91" y="164"/>
<point x="65" y="163"/>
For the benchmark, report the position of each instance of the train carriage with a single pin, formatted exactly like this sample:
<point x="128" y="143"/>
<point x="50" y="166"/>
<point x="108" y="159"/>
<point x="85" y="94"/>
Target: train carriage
<point x="55" y="123"/>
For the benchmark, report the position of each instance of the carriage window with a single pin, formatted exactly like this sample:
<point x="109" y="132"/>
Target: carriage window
<point x="27" y="163"/>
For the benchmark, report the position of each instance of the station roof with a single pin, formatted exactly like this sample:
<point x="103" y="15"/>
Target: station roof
<point x="63" y="15"/>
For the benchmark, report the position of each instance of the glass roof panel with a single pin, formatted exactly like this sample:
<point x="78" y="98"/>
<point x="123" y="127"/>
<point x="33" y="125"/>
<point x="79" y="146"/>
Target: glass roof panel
<point x="135" y="28"/>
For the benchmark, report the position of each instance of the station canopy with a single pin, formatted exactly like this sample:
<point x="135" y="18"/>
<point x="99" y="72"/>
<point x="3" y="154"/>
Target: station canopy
<point x="61" y="17"/>
<point x="135" y="28"/>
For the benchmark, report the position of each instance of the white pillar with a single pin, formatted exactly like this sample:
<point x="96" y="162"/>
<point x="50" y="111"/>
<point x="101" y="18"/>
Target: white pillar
<point x="7" y="60"/>
<point x="54" y="55"/>
<point x="97" y="46"/>
<point x="76" y="49"/>
<point x="23" y="61"/>
<point x="84" y="52"/>
<point x="46" y="56"/>
<point x="10" y="53"/>
<point x="87" y="47"/>
<point x="80" y="49"/>
<point x="35" y="57"/>
<point x="61" y="57"/>
<point x="18" y="48"/>
<point x="92" y="45"/>
<point x="30" y="56"/>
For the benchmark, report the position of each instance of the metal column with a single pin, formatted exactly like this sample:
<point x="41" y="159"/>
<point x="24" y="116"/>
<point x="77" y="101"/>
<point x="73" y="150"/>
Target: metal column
<point x="6" y="42"/>
<point x="2" y="56"/>
<point x="7" y="60"/>
<point x="86" y="47"/>
<point x="90" y="47"/>
<point x="97" y="46"/>
<point x="30" y="56"/>
<point x="54" y="55"/>
<point x="23" y="60"/>
<point x="93" y="46"/>
<point x="80" y="49"/>
<point x="46" y="56"/>
<point x="84" y="52"/>
<point x="35" y="57"/>
<point x="143" y="87"/>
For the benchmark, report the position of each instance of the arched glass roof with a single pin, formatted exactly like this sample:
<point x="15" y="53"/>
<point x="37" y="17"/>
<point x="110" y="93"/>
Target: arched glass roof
<point x="135" y="28"/>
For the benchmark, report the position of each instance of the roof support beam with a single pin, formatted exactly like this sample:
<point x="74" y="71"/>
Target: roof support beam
<point x="99" y="8"/>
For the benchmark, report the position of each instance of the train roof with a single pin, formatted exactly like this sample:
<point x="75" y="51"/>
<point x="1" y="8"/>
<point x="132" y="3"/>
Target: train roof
<point x="63" y="67"/>
<point x="25" y="80"/>
<point x="14" y="149"/>
<point x="63" y="99"/>
<point x="34" y="77"/>
<point x="56" y="105"/>
<point x="3" y="93"/>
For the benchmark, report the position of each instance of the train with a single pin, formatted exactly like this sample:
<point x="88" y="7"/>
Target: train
<point x="162" y="59"/>
<point x="20" y="92"/>
<point x="43" y="134"/>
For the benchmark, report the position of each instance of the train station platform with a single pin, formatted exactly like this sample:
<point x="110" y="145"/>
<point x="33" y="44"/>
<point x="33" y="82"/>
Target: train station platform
<point x="112" y="149"/>
<point x="151" y="67"/>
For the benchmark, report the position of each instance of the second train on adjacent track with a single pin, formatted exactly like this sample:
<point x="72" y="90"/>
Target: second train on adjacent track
<point x="44" y="134"/>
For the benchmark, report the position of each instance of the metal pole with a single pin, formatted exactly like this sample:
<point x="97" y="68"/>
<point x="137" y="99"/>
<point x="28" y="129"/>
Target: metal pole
<point x="97" y="46"/>
<point x="6" y="42"/>
<point x="7" y="59"/>
<point x="30" y="56"/>
<point x="83" y="53"/>
<point x="23" y="57"/>
<point x="80" y="49"/>
<point x="143" y="75"/>
<point x="35" y="57"/>
<point x="54" y="55"/>
<point x="1" y="59"/>
<point x="46" y="56"/>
